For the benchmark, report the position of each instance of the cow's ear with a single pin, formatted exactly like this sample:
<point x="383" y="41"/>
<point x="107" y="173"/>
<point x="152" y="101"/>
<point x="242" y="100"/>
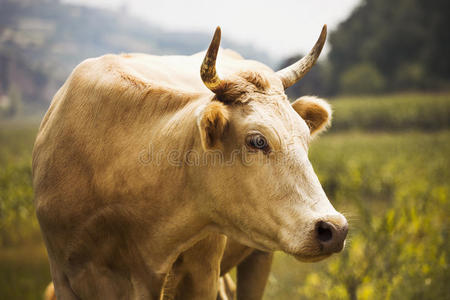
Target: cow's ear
<point x="316" y="113"/>
<point x="212" y="121"/>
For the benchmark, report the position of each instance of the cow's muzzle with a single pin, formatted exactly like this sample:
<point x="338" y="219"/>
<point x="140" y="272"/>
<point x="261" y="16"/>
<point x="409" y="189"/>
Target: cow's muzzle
<point x="331" y="236"/>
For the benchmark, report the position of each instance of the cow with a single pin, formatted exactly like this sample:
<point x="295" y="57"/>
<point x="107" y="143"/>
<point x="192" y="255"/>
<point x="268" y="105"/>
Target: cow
<point x="139" y="158"/>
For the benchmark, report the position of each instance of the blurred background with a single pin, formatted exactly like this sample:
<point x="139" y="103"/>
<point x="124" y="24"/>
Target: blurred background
<point x="385" y="162"/>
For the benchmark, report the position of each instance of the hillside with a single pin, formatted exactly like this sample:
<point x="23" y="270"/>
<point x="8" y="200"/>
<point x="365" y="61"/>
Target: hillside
<point x="42" y="40"/>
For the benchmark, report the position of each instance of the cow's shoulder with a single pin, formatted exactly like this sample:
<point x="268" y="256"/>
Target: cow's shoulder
<point x="108" y="74"/>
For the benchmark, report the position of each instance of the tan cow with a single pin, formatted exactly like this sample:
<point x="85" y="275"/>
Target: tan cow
<point x="138" y="159"/>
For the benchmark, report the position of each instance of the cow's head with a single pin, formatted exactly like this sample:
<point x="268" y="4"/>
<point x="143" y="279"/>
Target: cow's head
<point x="266" y="194"/>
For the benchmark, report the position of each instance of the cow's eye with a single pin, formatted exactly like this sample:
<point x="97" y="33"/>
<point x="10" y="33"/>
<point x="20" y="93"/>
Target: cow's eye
<point x="258" y="142"/>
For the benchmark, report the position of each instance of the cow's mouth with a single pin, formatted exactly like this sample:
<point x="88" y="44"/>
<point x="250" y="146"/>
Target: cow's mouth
<point x="311" y="258"/>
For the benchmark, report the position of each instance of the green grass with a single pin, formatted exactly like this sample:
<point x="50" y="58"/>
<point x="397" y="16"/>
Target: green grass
<point x="391" y="180"/>
<point x="17" y="221"/>
<point x="392" y="112"/>
<point x="395" y="190"/>
<point x="24" y="270"/>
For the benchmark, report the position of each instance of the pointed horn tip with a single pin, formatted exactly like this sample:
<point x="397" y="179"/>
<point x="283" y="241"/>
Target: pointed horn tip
<point x="321" y="40"/>
<point x="217" y="33"/>
<point x="323" y="34"/>
<point x="215" y="42"/>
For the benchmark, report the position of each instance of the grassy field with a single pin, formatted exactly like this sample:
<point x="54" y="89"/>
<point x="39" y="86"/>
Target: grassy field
<point x="393" y="112"/>
<point x="386" y="165"/>
<point x="394" y="188"/>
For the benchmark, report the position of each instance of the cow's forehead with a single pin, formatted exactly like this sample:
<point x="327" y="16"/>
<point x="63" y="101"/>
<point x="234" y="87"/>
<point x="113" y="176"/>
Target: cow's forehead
<point x="265" y="104"/>
<point x="277" y="113"/>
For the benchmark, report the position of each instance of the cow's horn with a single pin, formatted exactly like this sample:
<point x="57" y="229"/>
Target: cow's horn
<point x="296" y="71"/>
<point x="208" y="69"/>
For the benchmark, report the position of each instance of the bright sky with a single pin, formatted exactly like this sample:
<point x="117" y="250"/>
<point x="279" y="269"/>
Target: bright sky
<point x="279" y="27"/>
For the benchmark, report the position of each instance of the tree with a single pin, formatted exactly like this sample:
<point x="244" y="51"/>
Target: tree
<point x="362" y="79"/>
<point x="396" y="37"/>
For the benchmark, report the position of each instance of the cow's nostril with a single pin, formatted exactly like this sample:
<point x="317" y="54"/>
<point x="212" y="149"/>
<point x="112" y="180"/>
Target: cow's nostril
<point x="324" y="231"/>
<point x="331" y="236"/>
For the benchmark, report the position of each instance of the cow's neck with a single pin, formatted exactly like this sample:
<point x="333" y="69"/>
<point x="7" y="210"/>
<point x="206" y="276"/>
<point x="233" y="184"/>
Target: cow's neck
<point x="174" y="219"/>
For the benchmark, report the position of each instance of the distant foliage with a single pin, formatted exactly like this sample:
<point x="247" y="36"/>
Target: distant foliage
<point x="362" y="79"/>
<point x="405" y="43"/>
<point x="392" y="113"/>
<point x="404" y="39"/>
